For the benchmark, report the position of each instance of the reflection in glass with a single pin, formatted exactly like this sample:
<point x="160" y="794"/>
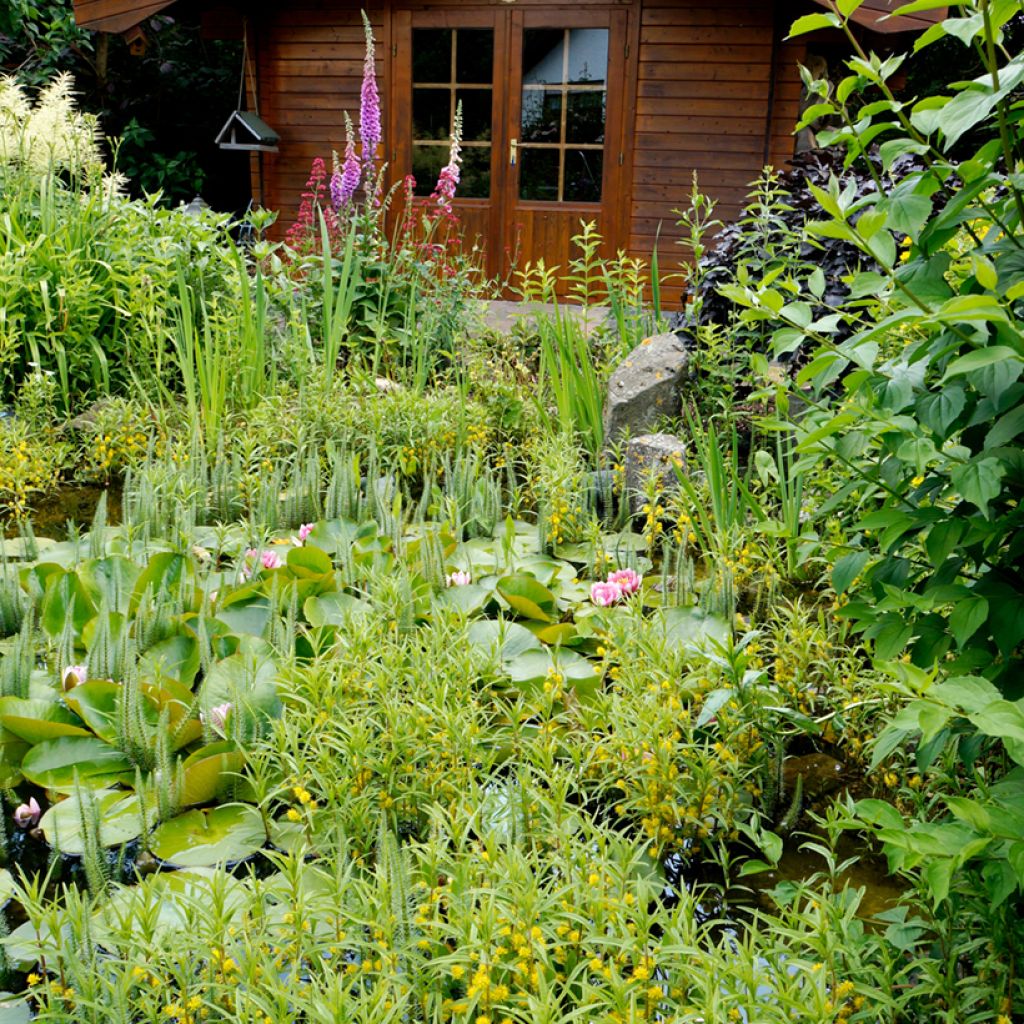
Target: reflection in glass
<point x="431" y="113"/>
<point x="538" y="174"/>
<point x="563" y="104"/>
<point x="474" y="56"/>
<point x="584" y="120"/>
<point x="475" y="172"/>
<point x="432" y="55"/>
<point x="582" y="176"/>
<point x="476" y="114"/>
<point x="543" y="55"/>
<point x="541" y="119"/>
<point x="588" y="55"/>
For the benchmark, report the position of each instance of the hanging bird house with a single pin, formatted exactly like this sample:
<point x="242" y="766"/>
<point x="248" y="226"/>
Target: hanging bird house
<point x="247" y="131"/>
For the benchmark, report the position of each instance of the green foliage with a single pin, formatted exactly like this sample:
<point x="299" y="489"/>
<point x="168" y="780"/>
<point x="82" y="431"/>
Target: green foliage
<point x="927" y="420"/>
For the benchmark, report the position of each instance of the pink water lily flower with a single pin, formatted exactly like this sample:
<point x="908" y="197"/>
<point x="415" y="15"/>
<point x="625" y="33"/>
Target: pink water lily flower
<point x="605" y="594"/>
<point x="628" y="579"/>
<point x="27" y="815"/>
<point x="74" y="675"/>
<point x="265" y="559"/>
<point x="458" y="579"/>
<point x="216" y="718"/>
<point x="304" y="531"/>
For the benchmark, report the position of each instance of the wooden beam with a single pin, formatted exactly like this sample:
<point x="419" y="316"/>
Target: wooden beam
<point x="877" y="15"/>
<point x="116" y="15"/>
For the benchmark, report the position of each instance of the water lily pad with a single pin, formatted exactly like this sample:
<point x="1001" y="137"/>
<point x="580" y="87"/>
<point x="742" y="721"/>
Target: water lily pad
<point x="691" y="627"/>
<point x="97" y="701"/>
<point x="249" y="617"/>
<point x="120" y="820"/>
<point x="528" y="596"/>
<point x="6" y="885"/>
<point x="247" y="680"/>
<point x="204" y="838"/>
<point x="334" y="609"/>
<point x="65" y="595"/>
<point x="54" y="764"/>
<point x="12" y="750"/>
<point x="21" y="547"/>
<point x="333" y="535"/>
<point x="175" y="658"/>
<point x="209" y="771"/>
<point x="468" y="599"/>
<point x="529" y="670"/>
<point x="36" y="720"/>
<point x="14" y="1010"/>
<point x="167" y="901"/>
<point x="507" y="639"/>
<point x="309" y="562"/>
<point x="112" y="579"/>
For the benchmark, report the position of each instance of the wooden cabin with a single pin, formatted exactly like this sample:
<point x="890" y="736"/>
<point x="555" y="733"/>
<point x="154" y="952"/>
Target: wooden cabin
<point x="590" y="110"/>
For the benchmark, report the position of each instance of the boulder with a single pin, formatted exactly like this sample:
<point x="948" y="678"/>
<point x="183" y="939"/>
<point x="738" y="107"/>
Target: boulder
<point x="645" y="386"/>
<point x="657" y="454"/>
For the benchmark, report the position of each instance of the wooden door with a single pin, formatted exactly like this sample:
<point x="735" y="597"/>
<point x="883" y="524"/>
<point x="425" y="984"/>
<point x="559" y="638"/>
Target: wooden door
<point x="444" y="59"/>
<point x="543" y="133"/>
<point x="565" y="130"/>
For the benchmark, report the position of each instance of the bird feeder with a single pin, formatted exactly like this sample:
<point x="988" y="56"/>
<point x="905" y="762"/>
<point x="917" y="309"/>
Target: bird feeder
<point x="247" y="131"/>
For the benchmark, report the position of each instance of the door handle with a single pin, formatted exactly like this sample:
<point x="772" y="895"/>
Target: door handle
<point x="513" y="149"/>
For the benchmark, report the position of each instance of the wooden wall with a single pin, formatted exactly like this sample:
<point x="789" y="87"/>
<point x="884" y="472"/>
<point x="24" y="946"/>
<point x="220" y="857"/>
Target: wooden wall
<point x="705" y="102"/>
<point x="310" y="66"/>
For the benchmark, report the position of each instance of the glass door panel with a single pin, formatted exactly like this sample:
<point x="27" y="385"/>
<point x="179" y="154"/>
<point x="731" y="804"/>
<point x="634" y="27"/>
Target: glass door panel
<point x="452" y="69"/>
<point x="562" y="116"/>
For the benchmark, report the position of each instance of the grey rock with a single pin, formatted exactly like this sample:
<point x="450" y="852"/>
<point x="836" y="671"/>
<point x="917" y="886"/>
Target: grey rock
<point x="648" y="454"/>
<point x="645" y="386"/>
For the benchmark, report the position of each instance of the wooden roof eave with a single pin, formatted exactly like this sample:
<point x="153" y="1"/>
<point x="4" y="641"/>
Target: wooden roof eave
<point x="116" y="15"/>
<point x="878" y="16"/>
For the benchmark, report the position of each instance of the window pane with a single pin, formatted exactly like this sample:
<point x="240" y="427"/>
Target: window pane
<point x="583" y="175"/>
<point x="476" y="114"/>
<point x="431" y="55"/>
<point x="543" y="50"/>
<point x="542" y="116"/>
<point x="588" y="54"/>
<point x="427" y="162"/>
<point x="431" y="113"/>
<point x="474" y="56"/>
<point x="474" y="173"/>
<point x="585" y="117"/>
<point x="538" y="174"/>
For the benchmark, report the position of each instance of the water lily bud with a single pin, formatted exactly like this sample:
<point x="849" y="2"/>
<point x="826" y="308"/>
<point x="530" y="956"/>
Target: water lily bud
<point x="458" y="579"/>
<point x="27" y="815"/>
<point x="217" y="717"/>
<point x="73" y="675"/>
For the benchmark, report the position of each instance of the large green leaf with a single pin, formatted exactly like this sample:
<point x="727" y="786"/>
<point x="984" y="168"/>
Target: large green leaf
<point x="35" y="720"/>
<point x="335" y="609"/>
<point x="203" y="838"/>
<point x="309" y="562"/>
<point x="507" y="639"/>
<point x="166" y="571"/>
<point x="65" y="595"/>
<point x="691" y="627"/>
<point x="54" y="764"/>
<point x="209" y="772"/>
<point x="118" y="812"/>
<point x="176" y="658"/>
<point x="528" y="597"/>
<point x="96" y="703"/>
<point x="111" y="579"/>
